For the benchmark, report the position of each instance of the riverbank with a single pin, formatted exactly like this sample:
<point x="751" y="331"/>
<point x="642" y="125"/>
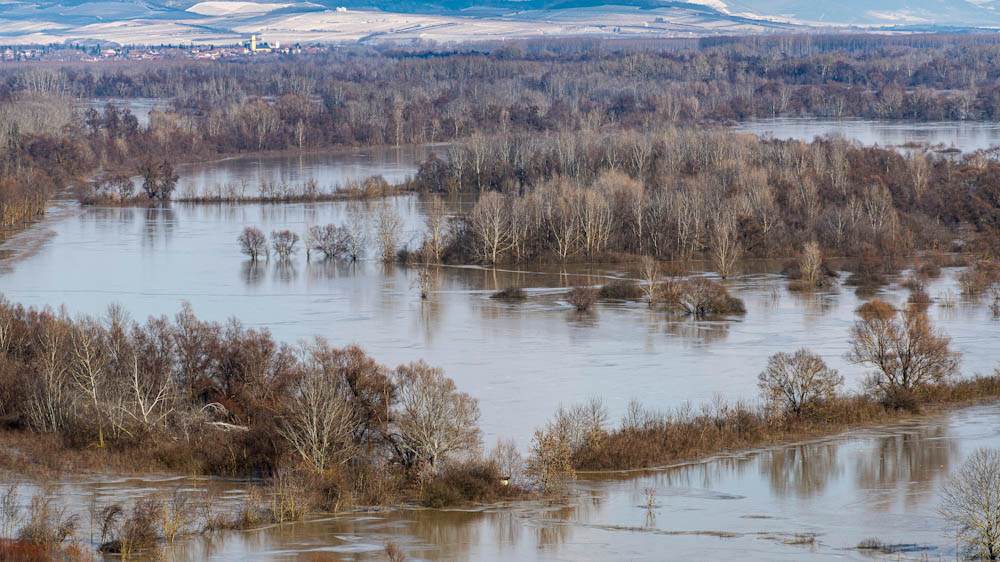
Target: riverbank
<point x="649" y="439"/>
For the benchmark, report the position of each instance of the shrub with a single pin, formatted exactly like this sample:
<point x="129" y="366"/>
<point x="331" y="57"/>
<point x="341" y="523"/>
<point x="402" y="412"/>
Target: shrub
<point x="510" y="293"/>
<point x="871" y="543"/>
<point x="870" y="269"/>
<point x="582" y="297"/>
<point x="979" y="278"/>
<point x="810" y="271"/>
<point x="46" y="523"/>
<point x="919" y="298"/>
<point x="797" y="382"/>
<point x="550" y="463"/>
<point x="929" y="270"/>
<point x="126" y="532"/>
<point x="393" y="553"/>
<point x="621" y="289"/>
<point x="283" y="498"/>
<point x="470" y="482"/>
<point x="699" y="296"/>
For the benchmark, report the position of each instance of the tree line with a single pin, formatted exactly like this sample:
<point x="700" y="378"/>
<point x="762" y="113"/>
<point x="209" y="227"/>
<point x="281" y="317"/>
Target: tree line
<point x="389" y="95"/>
<point x="683" y="193"/>
<point x="224" y="399"/>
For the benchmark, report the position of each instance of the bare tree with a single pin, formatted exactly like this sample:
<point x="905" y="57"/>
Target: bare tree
<point x="253" y="242"/>
<point x="434" y="420"/>
<point x="88" y="368"/>
<point x="649" y="269"/>
<point x="158" y="179"/>
<point x="508" y="461"/>
<point x="388" y="225"/>
<point x="594" y="218"/>
<point x="491" y="223"/>
<point x="319" y="421"/>
<point x="724" y="243"/>
<point x="48" y="405"/>
<point x="330" y="240"/>
<point x="145" y="385"/>
<point x="425" y="280"/>
<point x="283" y="242"/>
<point x="902" y="346"/>
<point x="799" y="381"/>
<point x="437" y="228"/>
<point x="559" y="218"/>
<point x="971" y="502"/>
<point x="811" y="264"/>
<point x="357" y="237"/>
<point x="550" y="463"/>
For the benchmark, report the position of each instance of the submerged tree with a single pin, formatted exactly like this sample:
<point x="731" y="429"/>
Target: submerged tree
<point x="158" y="179"/>
<point x="252" y="242"/>
<point x="283" y="242"/>
<point x="388" y="225"/>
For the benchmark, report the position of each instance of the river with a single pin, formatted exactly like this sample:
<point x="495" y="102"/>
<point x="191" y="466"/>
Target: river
<point x="522" y="360"/>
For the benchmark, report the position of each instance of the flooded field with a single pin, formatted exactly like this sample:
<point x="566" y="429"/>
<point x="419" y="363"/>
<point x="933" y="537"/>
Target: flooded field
<point x="140" y="107"/>
<point x="522" y="360"/>
<point x="966" y="136"/>
<point x="329" y="169"/>
<point x="813" y="500"/>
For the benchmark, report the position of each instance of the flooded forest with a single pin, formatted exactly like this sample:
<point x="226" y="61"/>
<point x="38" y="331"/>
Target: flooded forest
<point x="536" y="300"/>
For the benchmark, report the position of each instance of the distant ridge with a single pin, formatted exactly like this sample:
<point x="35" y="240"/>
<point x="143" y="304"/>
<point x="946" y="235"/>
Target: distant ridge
<point x="227" y="22"/>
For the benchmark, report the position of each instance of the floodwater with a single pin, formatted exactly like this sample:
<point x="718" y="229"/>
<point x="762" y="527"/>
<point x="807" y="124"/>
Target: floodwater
<point x="966" y="136"/>
<point x="140" y="107"/>
<point x="522" y="360"/>
<point x="330" y="169"/>
<point x="811" y="500"/>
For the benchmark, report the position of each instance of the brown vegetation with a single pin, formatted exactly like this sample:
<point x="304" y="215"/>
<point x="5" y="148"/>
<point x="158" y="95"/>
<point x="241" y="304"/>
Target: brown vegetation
<point x="621" y="290"/>
<point x="510" y="293"/>
<point x="203" y="397"/>
<point x="798" y="383"/>
<point x="970" y="503"/>
<point x="252" y="242"/>
<point x="914" y="368"/>
<point x="582" y="297"/>
<point x="907" y="353"/>
<point x="698" y="296"/>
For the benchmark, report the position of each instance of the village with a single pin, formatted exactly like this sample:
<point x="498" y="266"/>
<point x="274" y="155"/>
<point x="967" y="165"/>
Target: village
<point x="254" y="46"/>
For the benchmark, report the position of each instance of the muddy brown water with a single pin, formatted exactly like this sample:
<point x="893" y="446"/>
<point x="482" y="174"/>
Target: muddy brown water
<point x="522" y="360"/>
<point x="812" y="500"/>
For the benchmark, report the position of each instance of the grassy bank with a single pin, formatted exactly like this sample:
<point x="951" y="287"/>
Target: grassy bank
<point x="648" y="439"/>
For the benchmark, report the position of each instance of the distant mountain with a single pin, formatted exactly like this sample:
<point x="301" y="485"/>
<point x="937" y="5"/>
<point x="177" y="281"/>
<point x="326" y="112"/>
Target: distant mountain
<point x="222" y="21"/>
<point x="871" y="12"/>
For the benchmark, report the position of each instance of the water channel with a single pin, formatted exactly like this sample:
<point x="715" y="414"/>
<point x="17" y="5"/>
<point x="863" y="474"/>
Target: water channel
<point x="522" y="360"/>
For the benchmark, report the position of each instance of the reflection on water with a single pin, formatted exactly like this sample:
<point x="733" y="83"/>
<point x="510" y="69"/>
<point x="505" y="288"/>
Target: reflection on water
<point x="140" y="107"/>
<point x="801" y="470"/>
<point x="880" y="482"/>
<point x="967" y="136"/>
<point x="520" y="359"/>
<point x="329" y="169"/>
